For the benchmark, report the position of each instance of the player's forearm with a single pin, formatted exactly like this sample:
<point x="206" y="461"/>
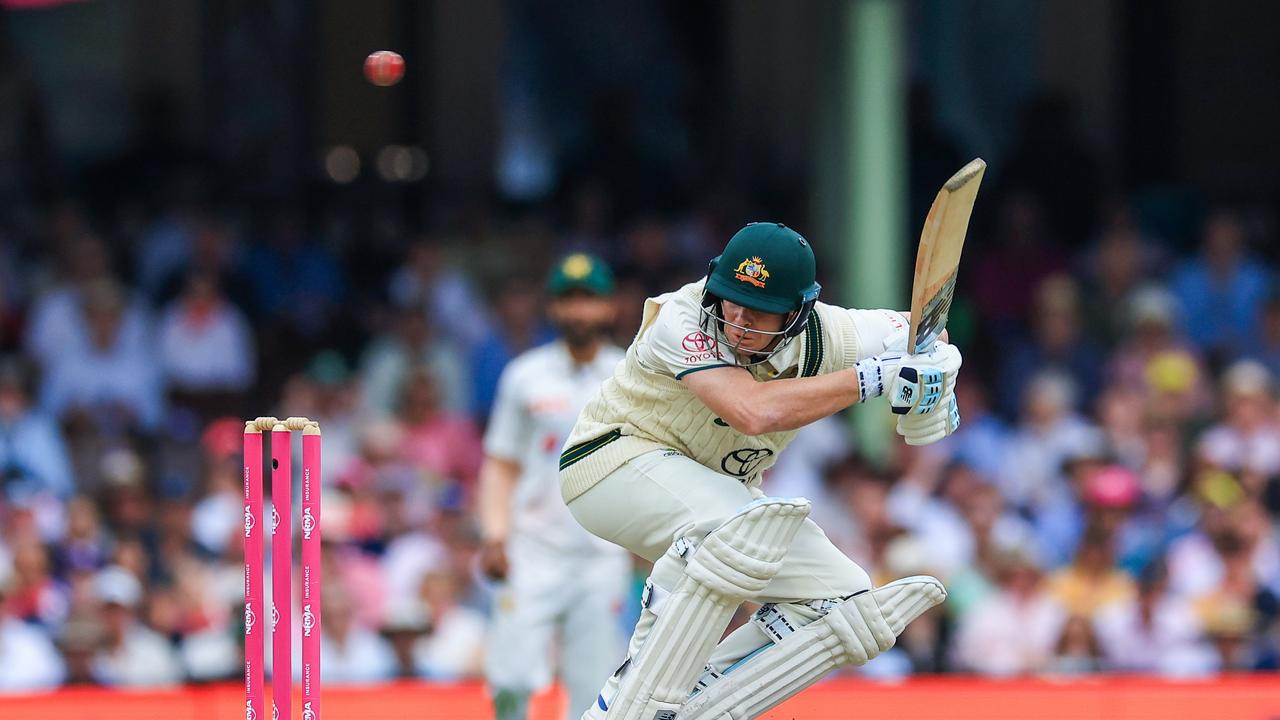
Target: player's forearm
<point x="498" y="478"/>
<point x="795" y="402"/>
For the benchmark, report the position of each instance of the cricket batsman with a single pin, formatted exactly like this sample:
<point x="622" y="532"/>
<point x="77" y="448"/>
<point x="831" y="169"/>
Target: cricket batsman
<point x="666" y="461"/>
<point x="560" y="585"/>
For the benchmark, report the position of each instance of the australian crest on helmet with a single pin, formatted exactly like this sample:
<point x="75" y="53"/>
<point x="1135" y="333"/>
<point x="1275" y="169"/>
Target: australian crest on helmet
<point x="751" y="270"/>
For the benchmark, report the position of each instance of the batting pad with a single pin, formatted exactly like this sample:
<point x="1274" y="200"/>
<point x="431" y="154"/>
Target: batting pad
<point x="851" y="633"/>
<point x="734" y="562"/>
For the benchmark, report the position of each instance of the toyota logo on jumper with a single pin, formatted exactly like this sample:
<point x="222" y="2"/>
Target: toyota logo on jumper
<point x="698" y="342"/>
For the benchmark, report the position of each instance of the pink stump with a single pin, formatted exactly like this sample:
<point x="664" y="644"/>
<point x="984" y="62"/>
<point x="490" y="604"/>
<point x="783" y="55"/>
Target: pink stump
<point x="254" y="647"/>
<point x="311" y="490"/>
<point x="281" y="571"/>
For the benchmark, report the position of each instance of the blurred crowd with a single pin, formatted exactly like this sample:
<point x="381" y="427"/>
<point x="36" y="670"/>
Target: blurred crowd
<point x="1109" y="504"/>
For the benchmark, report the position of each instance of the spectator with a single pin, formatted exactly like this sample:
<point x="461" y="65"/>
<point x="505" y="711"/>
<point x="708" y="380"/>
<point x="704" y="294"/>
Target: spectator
<point x="206" y="350"/>
<point x="800" y="474"/>
<point x="1016" y="630"/>
<point x="1265" y="345"/>
<point x="1077" y="650"/>
<point x="454" y="650"/>
<point x="405" y="624"/>
<point x="1196" y="560"/>
<point x="1247" y="441"/>
<point x="298" y="283"/>
<point x="1121" y="414"/>
<point x="389" y="359"/>
<point x="426" y="282"/>
<point x="350" y="652"/>
<point x="1004" y="279"/>
<point x="33" y="455"/>
<point x="1047" y="432"/>
<point x="992" y="532"/>
<point x="28" y="659"/>
<point x="1092" y="582"/>
<point x="132" y="655"/>
<point x="34" y="594"/>
<point x="1055" y="343"/>
<point x="86" y="546"/>
<point x="109" y="385"/>
<point x="647" y="258"/>
<point x="982" y="441"/>
<point x="1222" y="290"/>
<point x="60" y="321"/>
<point x="445" y="446"/>
<point x="517" y="327"/>
<point x="327" y="393"/>
<point x="1155" y="632"/>
<point x="216" y="517"/>
<point x="1116" y="269"/>
<point x="934" y="518"/>
<point x="862" y="491"/>
<point x="1238" y="607"/>
<point x="165" y="247"/>
<point x="80" y="640"/>
<point x="1157" y="361"/>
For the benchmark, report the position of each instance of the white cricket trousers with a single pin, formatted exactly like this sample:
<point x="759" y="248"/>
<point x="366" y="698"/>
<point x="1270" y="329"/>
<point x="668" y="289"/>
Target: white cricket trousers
<point x="660" y="496"/>
<point x="550" y="601"/>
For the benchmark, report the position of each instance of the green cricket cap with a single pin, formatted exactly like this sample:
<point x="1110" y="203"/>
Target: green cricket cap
<point x="580" y="271"/>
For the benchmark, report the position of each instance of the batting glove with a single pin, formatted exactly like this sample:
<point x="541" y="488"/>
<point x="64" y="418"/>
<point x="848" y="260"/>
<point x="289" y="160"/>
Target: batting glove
<point x="923" y="395"/>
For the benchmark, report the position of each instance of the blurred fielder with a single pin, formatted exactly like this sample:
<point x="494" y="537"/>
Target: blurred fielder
<point x="666" y="461"/>
<point x="560" y="583"/>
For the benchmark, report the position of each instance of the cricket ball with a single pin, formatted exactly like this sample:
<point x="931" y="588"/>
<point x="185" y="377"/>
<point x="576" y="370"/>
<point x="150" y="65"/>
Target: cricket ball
<point x="384" y="68"/>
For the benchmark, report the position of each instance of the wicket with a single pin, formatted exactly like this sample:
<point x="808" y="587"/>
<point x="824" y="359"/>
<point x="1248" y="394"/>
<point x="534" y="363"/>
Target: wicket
<point x="281" y="568"/>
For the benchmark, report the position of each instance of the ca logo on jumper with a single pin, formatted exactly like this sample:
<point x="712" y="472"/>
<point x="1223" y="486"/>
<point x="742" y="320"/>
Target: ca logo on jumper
<point x="744" y="462"/>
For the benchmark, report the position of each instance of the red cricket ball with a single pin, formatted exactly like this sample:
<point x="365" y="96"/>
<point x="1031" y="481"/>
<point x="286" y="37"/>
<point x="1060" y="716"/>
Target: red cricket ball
<point x="384" y="68"/>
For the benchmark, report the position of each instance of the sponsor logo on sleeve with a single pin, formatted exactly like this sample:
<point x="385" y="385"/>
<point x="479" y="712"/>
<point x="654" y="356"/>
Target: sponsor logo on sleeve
<point x="700" y="347"/>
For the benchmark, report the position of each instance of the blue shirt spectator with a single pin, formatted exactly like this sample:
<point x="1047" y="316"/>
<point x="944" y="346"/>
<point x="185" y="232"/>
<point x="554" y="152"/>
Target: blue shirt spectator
<point x="113" y="381"/>
<point x="32" y="451"/>
<point x="1222" y="291"/>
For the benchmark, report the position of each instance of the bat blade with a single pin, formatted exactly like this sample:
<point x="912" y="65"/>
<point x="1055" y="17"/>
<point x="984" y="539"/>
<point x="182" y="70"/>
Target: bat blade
<point x="938" y="258"/>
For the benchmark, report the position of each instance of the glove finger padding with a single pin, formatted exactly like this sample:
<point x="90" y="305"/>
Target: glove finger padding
<point x="925" y="381"/>
<point x="925" y="429"/>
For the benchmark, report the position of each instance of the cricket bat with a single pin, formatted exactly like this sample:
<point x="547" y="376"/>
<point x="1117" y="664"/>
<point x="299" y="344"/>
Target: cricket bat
<point x="938" y="258"/>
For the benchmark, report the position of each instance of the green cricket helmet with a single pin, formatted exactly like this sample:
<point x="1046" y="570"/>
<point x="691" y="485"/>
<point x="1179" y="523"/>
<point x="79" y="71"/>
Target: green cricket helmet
<point x="767" y="267"/>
